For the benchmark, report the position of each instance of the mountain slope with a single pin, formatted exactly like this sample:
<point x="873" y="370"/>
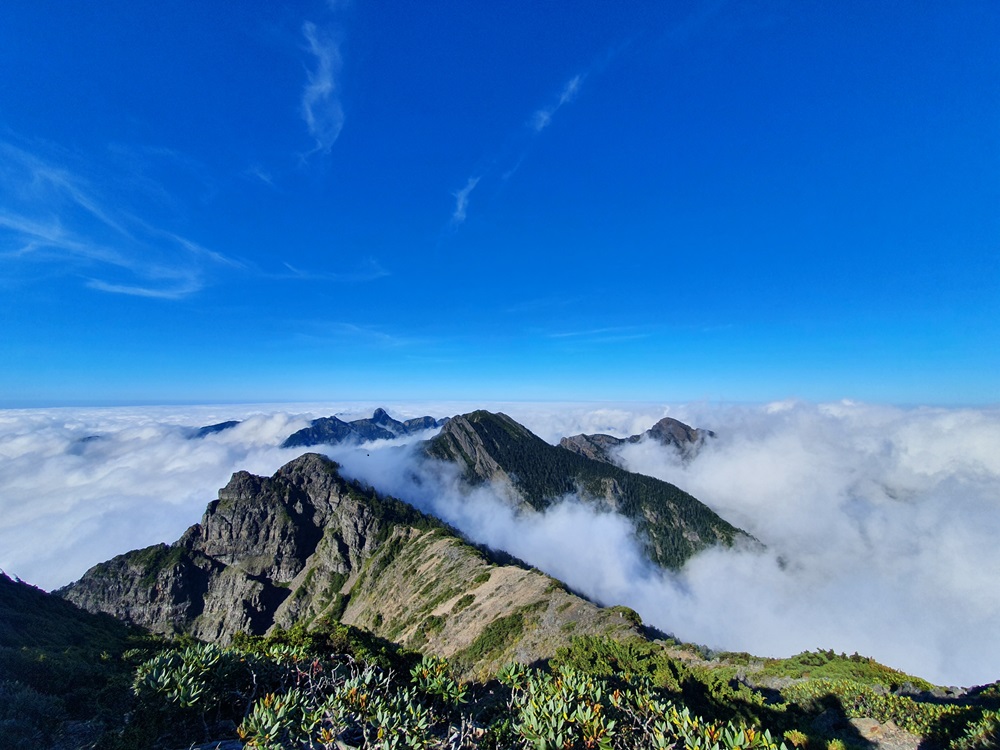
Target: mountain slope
<point x="495" y="448"/>
<point x="686" y="440"/>
<point x="307" y="544"/>
<point x="57" y="663"/>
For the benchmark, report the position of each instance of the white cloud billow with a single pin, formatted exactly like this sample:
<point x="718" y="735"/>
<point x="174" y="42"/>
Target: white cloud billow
<point x="880" y="523"/>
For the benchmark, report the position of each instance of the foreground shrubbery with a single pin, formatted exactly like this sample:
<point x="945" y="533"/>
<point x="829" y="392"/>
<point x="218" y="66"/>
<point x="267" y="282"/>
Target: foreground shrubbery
<point x="290" y="697"/>
<point x="337" y="686"/>
<point x="82" y="682"/>
<point x="570" y="709"/>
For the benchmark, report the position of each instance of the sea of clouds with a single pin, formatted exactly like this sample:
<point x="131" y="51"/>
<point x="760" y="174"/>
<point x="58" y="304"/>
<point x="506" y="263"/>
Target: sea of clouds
<point x="880" y="523"/>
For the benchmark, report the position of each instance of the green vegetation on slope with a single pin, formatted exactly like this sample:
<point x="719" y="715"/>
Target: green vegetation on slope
<point x="58" y="663"/>
<point x="333" y="686"/>
<point x="829" y="666"/>
<point x="712" y="690"/>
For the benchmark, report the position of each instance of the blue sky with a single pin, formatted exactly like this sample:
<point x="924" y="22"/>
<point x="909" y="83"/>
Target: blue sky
<point x="678" y="200"/>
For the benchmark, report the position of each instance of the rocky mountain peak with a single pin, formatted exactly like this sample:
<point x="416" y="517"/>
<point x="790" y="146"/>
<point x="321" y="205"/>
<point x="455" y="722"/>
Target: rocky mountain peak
<point x="670" y="431"/>
<point x="258" y="537"/>
<point x="306" y="544"/>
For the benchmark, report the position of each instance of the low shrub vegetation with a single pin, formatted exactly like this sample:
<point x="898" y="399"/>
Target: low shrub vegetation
<point x="335" y="686"/>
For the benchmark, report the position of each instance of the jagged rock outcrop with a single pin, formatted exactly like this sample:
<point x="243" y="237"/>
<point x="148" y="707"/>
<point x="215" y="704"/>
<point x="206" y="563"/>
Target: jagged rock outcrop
<point x="686" y="440"/>
<point x="234" y="570"/>
<point x="307" y="543"/>
<point x="380" y="426"/>
<point x="494" y="448"/>
<point x="595" y="447"/>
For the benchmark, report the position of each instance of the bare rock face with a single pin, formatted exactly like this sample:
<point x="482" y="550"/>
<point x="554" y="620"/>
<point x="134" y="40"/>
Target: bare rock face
<point x="595" y="447"/>
<point x="159" y="584"/>
<point x="234" y="570"/>
<point x="307" y="544"/>
<point x="461" y="440"/>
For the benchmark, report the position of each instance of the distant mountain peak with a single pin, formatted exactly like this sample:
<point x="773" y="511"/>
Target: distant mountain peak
<point x="380" y="426"/>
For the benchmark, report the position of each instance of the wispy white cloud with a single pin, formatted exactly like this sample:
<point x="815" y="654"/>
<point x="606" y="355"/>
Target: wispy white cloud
<point x="31" y="239"/>
<point x="369" y="270"/>
<point x="145" y="168"/>
<point x="197" y="250"/>
<point x="542" y="117"/>
<point x="56" y="214"/>
<point x="604" y="335"/>
<point x="177" y="291"/>
<point x="538" y="121"/>
<point x="256" y="171"/>
<point x="541" y="303"/>
<point x="462" y="200"/>
<point x="321" y="108"/>
<point x="373" y="335"/>
<point x="589" y="332"/>
<point x="700" y="17"/>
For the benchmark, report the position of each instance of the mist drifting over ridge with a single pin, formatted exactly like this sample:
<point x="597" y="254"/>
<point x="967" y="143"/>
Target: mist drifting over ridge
<point x="880" y="522"/>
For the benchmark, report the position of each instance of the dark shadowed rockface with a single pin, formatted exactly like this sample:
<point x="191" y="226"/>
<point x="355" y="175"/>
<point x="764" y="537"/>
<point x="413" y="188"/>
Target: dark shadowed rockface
<point x="686" y="440"/>
<point x="213" y="429"/>
<point x="495" y="448"/>
<point x="305" y="544"/>
<point x="380" y="426"/>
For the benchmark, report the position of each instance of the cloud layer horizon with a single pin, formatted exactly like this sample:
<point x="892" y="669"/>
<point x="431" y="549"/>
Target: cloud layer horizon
<point x="879" y="522"/>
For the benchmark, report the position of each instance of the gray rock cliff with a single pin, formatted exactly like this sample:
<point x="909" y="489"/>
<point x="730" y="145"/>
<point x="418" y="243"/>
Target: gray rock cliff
<point x="235" y="570"/>
<point x="305" y="545"/>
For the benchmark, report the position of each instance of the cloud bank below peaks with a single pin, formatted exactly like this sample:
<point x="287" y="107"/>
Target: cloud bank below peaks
<point x="880" y="523"/>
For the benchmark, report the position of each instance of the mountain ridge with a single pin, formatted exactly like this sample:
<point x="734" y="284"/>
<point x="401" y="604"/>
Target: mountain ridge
<point x="380" y="426"/>
<point x="533" y="473"/>
<point x="306" y="545"/>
